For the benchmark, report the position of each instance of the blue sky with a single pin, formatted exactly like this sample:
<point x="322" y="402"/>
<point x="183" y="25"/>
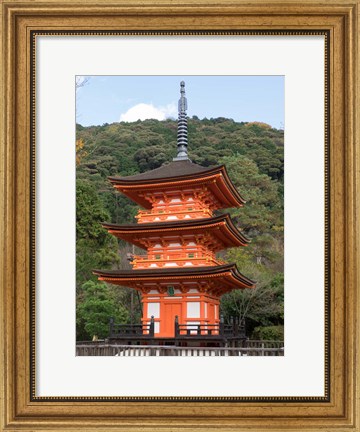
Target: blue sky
<point x="109" y="99"/>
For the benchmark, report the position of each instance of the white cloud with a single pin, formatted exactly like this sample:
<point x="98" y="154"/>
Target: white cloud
<point x="144" y="111"/>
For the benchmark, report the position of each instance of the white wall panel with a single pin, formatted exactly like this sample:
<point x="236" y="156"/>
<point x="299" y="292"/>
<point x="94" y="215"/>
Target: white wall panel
<point x="154" y="310"/>
<point x="193" y="309"/>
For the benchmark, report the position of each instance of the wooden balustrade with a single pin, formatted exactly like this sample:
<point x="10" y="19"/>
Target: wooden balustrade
<point x="264" y="344"/>
<point x="220" y="330"/>
<point x="147" y="330"/>
<point x="131" y="330"/>
<point x="154" y="350"/>
<point x="144" y="216"/>
<point x="179" y="258"/>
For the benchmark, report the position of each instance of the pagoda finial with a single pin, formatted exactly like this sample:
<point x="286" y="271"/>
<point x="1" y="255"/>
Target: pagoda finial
<point x="182" y="141"/>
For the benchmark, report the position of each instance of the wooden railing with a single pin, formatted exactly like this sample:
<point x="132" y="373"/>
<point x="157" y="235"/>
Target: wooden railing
<point x="197" y="330"/>
<point x="147" y="330"/>
<point x="220" y="330"/>
<point x="148" y="216"/>
<point x="131" y="330"/>
<point x="179" y="258"/>
<point x="263" y="344"/>
<point x="148" y="350"/>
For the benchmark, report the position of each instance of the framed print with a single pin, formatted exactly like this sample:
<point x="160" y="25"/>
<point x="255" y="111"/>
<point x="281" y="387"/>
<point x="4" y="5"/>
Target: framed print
<point x="133" y="298"/>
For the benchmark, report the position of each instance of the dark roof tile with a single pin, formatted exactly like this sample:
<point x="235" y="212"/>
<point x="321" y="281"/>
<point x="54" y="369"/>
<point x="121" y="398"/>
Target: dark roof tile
<point x="173" y="169"/>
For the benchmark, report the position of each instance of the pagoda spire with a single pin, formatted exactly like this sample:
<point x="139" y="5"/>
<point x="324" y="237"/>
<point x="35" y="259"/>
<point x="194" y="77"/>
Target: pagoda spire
<point x="182" y="141"/>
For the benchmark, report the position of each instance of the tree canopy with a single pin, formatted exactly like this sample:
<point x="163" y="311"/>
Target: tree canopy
<point x="253" y="155"/>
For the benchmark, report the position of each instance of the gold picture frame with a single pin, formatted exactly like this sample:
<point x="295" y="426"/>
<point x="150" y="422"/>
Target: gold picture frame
<point x="20" y="409"/>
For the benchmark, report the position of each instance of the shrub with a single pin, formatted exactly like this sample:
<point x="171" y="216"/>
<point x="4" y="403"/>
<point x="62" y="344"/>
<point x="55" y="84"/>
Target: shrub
<point x="269" y="333"/>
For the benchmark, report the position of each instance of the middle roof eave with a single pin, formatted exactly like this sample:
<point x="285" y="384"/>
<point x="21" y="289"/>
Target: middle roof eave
<point x="154" y="227"/>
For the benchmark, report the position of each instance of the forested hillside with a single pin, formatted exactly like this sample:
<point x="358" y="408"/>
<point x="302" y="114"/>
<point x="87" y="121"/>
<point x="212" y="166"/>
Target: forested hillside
<point x="253" y="155"/>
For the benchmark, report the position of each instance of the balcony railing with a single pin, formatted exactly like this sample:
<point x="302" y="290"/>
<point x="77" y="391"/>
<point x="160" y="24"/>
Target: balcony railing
<point x="179" y="258"/>
<point x="220" y="330"/>
<point x="131" y="330"/>
<point x="147" y="216"/>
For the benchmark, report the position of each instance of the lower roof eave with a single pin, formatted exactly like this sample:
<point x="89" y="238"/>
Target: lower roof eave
<point x="228" y="272"/>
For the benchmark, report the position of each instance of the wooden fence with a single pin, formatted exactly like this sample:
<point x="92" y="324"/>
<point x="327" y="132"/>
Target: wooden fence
<point x="263" y="344"/>
<point x="104" y="349"/>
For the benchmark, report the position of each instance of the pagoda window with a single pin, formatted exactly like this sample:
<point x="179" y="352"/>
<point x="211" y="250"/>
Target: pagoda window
<point x="154" y="310"/>
<point x="191" y="255"/>
<point x="190" y="208"/>
<point x="157" y="257"/>
<point x="193" y="309"/>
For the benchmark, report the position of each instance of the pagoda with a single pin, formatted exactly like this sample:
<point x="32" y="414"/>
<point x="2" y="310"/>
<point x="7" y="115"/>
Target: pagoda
<point x="179" y="277"/>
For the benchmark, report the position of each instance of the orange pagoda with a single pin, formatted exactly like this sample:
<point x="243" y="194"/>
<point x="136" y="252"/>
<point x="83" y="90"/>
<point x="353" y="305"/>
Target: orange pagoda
<point x="179" y="277"/>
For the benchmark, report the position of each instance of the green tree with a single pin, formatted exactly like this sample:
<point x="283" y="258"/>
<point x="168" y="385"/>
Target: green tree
<point x="95" y="310"/>
<point x="95" y="248"/>
<point x="263" y="209"/>
<point x="149" y="158"/>
<point x="259" y="306"/>
<point x="262" y="260"/>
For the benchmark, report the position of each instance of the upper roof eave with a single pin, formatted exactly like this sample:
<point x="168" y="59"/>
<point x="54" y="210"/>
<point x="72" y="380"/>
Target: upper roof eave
<point x="176" y="170"/>
<point x="160" y="177"/>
